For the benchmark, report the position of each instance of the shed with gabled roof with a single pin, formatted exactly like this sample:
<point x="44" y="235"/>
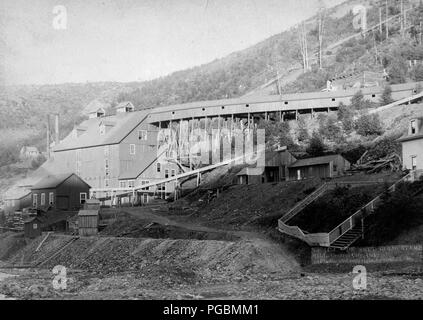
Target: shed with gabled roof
<point x="65" y="191"/>
<point x="319" y="167"/>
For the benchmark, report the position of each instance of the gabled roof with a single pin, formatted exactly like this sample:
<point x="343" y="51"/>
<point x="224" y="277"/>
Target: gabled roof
<point x="315" y="161"/>
<point x="124" y="123"/>
<point x="124" y="104"/>
<point x="53" y="181"/>
<point x="93" y="106"/>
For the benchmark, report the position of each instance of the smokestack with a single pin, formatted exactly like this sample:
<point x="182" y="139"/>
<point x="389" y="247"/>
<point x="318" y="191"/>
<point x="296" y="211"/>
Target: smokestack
<point x="57" y="137"/>
<point x="48" y="136"/>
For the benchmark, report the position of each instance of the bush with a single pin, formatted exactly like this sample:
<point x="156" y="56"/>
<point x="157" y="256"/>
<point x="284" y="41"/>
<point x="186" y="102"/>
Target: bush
<point x="329" y="129"/>
<point x="316" y="146"/>
<point x="358" y="102"/>
<point x="36" y="163"/>
<point x="386" y="97"/>
<point x="277" y="133"/>
<point x="399" y="212"/>
<point x="368" y="125"/>
<point x="346" y="116"/>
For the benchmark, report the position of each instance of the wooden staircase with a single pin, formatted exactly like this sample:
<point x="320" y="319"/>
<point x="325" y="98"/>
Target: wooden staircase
<point x="347" y="239"/>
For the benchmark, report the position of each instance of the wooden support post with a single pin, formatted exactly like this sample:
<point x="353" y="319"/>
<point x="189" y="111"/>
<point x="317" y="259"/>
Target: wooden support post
<point x="248" y="123"/>
<point x="296" y="115"/>
<point x="280" y="116"/>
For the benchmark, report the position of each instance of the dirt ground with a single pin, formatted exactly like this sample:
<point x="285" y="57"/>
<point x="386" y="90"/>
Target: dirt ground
<point x="37" y="284"/>
<point x="191" y="249"/>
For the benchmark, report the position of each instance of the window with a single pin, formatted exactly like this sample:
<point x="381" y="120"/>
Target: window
<point x="166" y="173"/>
<point x="173" y="172"/>
<point x="43" y="199"/>
<point x="413" y="127"/>
<point x="35" y="200"/>
<point x="413" y="162"/>
<point x="35" y="226"/>
<point x="142" y="135"/>
<point x="106" y="182"/>
<point x="122" y="184"/>
<point x="82" y="197"/>
<point x="131" y="183"/>
<point x="143" y="182"/>
<point x="106" y="163"/>
<point x="158" y="166"/>
<point x="132" y="149"/>
<point x="145" y="198"/>
<point x="335" y="167"/>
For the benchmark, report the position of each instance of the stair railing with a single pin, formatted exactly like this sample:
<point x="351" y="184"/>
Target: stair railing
<point x="365" y="210"/>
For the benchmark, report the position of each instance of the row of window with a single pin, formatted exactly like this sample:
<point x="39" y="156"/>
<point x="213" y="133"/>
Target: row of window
<point x="82" y="199"/>
<point x="172" y="171"/>
<point x="43" y="199"/>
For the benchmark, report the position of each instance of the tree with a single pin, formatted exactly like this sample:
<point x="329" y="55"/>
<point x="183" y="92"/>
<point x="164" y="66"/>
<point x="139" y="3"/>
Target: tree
<point x="316" y="145"/>
<point x="277" y="133"/>
<point x="368" y="125"/>
<point x="329" y="129"/>
<point x="386" y="97"/>
<point x="358" y="102"/>
<point x="346" y="116"/>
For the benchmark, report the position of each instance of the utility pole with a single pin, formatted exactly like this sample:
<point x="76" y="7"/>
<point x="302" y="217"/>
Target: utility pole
<point x="48" y="136"/>
<point x="303" y="45"/>
<point x="402" y="18"/>
<point x="386" y="20"/>
<point x="320" y="27"/>
<point x="380" y="21"/>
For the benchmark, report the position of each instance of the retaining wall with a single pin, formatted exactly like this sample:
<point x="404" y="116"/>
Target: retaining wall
<point x="356" y="255"/>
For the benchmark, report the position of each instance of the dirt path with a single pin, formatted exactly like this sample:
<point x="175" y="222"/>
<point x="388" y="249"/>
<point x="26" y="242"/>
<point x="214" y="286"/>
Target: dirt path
<point x="267" y="246"/>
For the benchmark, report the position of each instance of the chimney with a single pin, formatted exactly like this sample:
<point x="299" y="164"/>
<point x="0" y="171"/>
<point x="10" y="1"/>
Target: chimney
<point x="57" y="136"/>
<point x="48" y="136"/>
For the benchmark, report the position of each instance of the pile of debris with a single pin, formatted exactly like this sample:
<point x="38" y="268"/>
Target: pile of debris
<point x="382" y="155"/>
<point x="390" y="162"/>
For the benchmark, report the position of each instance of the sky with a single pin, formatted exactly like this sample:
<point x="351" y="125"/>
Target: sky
<point x="132" y="40"/>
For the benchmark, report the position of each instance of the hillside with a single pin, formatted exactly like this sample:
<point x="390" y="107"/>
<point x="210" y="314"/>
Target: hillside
<point x="23" y="109"/>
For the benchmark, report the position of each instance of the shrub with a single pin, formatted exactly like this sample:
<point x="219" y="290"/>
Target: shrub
<point x="358" y="102"/>
<point x="368" y="125"/>
<point x="316" y="146"/>
<point x="346" y="116"/>
<point x="386" y="97"/>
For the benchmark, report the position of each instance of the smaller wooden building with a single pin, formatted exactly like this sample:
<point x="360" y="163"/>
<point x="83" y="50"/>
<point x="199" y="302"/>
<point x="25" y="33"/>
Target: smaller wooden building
<point x="88" y="218"/>
<point x="319" y="167"/>
<point x="33" y="227"/>
<point x="62" y="191"/>
<point x="275" y="170"/>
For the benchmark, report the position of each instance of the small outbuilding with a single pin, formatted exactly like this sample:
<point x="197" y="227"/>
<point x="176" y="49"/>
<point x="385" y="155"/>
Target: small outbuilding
<point x="33" y="227"/>
<point x="275" y="170"/>
<point x="319" y="167"/>
<point x="88" y="218"/>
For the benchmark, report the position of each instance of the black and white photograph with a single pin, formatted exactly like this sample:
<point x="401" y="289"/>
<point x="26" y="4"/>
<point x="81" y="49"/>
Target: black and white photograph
<point x="211" y="155"/>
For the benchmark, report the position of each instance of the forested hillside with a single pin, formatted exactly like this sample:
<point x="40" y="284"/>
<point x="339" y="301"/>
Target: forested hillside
<point x="23" y="109"/>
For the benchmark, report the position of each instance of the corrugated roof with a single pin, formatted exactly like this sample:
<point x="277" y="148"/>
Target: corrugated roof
<point x="123" y="124"/>
<point x="51" y="181"/>
<point x="314" y="161"/>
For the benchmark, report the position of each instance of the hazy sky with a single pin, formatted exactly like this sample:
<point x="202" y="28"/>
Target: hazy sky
<point x="129" y="40"/>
